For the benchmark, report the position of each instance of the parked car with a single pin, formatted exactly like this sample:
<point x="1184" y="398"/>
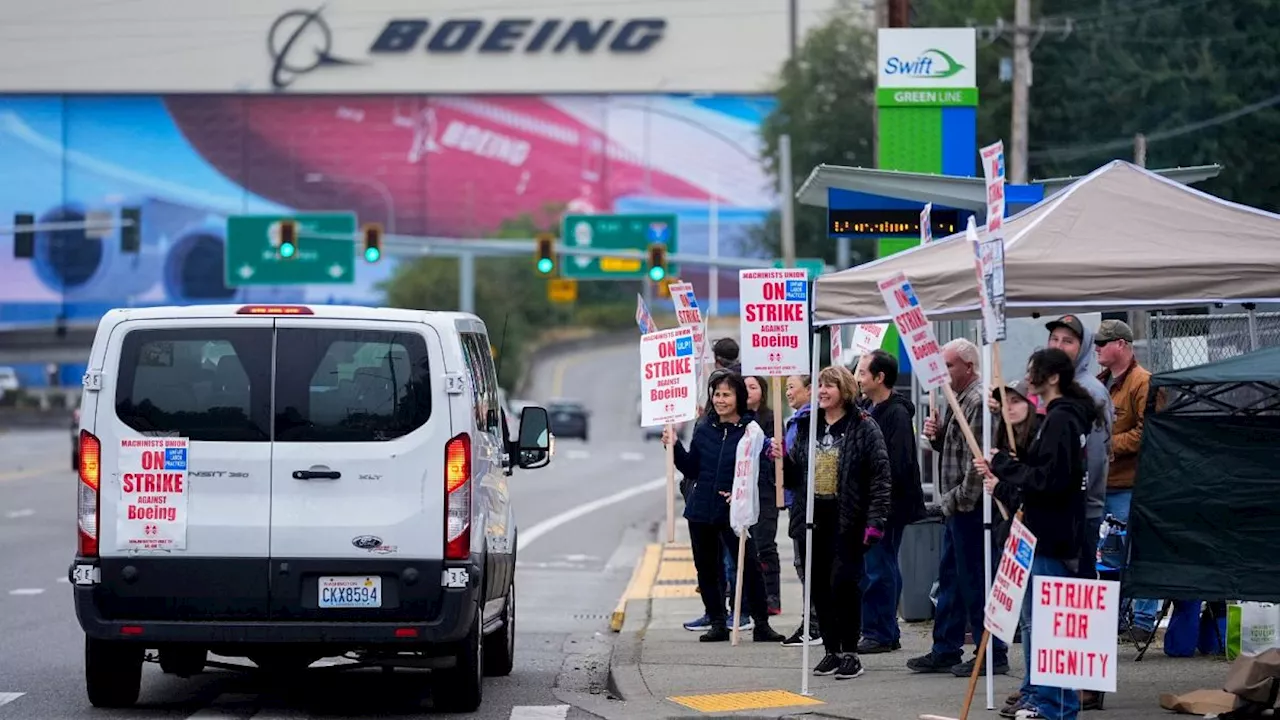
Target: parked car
<point x="569" y="418"/>
<point x="289" y="483"/>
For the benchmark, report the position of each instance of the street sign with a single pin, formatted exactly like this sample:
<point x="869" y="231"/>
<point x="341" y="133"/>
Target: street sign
<point x="560" y="290"/>
<point x="251" y="257"/>
<point x="815" y="266"/>
<point x="615" y="232"/>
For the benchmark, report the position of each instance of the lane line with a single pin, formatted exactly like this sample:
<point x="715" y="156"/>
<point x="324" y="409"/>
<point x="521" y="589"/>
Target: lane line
<point x="530" y="536"/>
<point x="539" y="712"/>
<point x="577" y="455"/>
<point x="8" y="697"/>
<point x="27" y="591"/>
<point x="25" y="512"/>
<point x="31" y="472"/>
<point x="632" y="457"/>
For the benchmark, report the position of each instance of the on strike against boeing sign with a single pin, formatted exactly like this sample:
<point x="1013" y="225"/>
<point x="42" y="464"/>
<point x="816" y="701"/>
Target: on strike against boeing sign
<point x="668" y="377"/>
<point x="774" y="321"/>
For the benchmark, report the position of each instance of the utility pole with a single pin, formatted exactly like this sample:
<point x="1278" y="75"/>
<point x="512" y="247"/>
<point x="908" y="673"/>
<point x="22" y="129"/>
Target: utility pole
<point x="1021" y="91"/>
<point x="1140" y="150"/>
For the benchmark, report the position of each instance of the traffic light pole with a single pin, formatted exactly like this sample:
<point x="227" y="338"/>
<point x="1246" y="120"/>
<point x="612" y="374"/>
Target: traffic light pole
<point x="70" y="225"/>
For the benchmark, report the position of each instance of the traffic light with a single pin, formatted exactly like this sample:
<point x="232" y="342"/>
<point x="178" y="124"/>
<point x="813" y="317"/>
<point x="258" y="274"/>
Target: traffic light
<point x="288" y="239"/>
<point x="24" y="241"/>
<point x="131" y="235"/>
<point x="372" y="242"/>
<point x="657" y="262"/>
<point x="546" y="253"/>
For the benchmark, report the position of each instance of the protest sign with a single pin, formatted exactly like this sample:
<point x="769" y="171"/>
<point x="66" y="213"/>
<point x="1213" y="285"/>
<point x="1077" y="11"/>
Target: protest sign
<point x="1009" y="586"/>
<point x="775" y="322"/>
<point x="993" y="171"/>
<point x="744" y="503"/>
<point x="152" y="510"/>
<point x="988" y="265"/>
<point x="689" y="315"/>
<point x="868" y="337"/>
<point x="643" y="318"/>
<point x="917" y="334"/>
<point x="1073" y="633"/>
<point x="668" y="377"/>
<point x="837" y="345"/>
<point x="926" y="224"/>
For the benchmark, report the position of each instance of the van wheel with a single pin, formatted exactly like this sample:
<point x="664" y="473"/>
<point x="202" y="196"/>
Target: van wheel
<point x="460" y="689"/>
<point x="500" y="647"/>
<point x="112" y="672"/>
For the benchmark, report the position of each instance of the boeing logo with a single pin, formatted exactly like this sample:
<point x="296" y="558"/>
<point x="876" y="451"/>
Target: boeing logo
<point x="301" y="41"/>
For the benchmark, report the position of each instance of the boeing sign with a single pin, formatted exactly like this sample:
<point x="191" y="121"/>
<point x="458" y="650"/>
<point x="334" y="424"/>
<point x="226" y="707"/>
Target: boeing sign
<point x="301" y="41"/>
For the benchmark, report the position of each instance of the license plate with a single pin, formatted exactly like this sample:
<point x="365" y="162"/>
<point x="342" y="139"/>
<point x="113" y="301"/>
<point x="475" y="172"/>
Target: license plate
<point x="351" y="592"/>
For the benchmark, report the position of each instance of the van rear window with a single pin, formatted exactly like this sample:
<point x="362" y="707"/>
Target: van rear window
<point x="350" y="385"/>
<point x="210" y="384"/>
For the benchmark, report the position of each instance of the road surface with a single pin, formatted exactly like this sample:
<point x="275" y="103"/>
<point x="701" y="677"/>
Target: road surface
<point x="583" y="521"/>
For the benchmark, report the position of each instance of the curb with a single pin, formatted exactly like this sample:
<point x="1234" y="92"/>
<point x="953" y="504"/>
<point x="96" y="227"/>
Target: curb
<point x="625" y="681"/>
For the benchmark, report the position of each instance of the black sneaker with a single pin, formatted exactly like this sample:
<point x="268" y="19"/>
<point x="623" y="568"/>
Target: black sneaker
<point x="850" y="668"/>
<point x="717" y="633"/>
<point x="828" y="665"/>
<point x="874" y="647"/>
<point x="763" y="633"/>
<point x="798" y="638"/>
<point x="965" y="669"/>
<point x="931" y="664"/>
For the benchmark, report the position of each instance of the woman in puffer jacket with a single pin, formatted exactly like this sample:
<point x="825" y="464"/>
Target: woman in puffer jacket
<point x="852" y="490"/>
<point x="710" y="461"/>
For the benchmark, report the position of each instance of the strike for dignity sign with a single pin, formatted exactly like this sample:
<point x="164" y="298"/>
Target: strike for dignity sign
<point x="668" y="377"/>
<point x="774" y="322"/>
<point x="152" y="510"/>
<point x="1073" y="633"/>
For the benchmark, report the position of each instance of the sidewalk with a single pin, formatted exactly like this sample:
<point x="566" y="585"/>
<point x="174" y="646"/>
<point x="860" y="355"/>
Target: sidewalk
<point x="662" y="671"/>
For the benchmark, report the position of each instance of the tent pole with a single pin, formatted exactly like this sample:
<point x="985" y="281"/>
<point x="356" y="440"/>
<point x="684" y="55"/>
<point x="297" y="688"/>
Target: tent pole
<point x="1252" y="309"/>
<point x="815" y="362"/>
<point x="986" y="520"/>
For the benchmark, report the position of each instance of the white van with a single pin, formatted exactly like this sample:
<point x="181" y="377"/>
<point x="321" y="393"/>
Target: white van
<point x="287" y="483"/>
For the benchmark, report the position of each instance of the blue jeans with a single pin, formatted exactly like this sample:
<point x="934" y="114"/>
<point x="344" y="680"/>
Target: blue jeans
<point x="1053" y="703"/>
<point x="962" y="597"/>
<point x="881" y="588"/>
<point x="1144" y="611"/>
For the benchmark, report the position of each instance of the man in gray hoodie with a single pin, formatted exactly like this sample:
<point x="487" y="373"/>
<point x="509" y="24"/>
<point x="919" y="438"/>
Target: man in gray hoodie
<point x="1068" y="334"/>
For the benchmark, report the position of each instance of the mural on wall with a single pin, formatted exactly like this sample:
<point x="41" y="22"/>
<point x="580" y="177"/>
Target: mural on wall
<point x="450" y="166"/>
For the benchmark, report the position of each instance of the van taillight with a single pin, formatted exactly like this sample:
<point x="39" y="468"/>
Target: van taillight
<point x="457" y="511"/>
<point x="87" y="498"/>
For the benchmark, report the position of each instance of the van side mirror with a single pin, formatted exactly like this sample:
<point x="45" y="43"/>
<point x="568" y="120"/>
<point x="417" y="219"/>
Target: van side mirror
<point x="534" y="446"/>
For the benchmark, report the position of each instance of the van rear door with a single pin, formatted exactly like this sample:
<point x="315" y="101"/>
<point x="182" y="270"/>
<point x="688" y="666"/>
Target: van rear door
<point x="208" y="381"/>
<point x="357" y="501"/>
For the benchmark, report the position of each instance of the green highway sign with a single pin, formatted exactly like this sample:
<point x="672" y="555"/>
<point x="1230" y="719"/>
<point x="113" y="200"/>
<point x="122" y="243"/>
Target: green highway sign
<point x="615" y="232"/>
<point x="815" y="266"/>
<point x="251" y="257"/>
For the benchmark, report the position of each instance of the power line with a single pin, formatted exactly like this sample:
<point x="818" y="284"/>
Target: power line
<point x="1078" y="152"/>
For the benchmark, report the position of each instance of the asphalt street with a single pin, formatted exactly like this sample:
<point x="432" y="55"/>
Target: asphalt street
<point x="583" y="523"/>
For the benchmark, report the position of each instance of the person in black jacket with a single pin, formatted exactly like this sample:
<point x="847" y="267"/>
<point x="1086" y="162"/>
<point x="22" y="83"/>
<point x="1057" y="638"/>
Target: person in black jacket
<point x="852" y="485"/>
<point x="1053" y="478"/>
<point x="710" y="461"/>
<point x="882" y="583"/>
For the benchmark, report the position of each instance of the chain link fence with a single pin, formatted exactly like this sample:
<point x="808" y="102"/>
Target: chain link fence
<point x="1179" y="341"/>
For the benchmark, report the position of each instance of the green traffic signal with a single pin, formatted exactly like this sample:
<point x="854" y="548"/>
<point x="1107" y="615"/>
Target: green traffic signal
<point x="657" y="273"/>
<point x="371" y="254"/>
<point x="545" y="265"/>
<point x="287" y="250"/>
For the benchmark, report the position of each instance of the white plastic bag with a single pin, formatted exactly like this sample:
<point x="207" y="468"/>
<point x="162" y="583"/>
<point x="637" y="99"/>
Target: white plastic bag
<point x="744" y="504"/>
<point x="1252" y="628"/>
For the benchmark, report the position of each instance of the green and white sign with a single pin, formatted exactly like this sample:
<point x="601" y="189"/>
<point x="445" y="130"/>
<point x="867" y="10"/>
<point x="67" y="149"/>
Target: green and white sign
<point x="927" y="97"/>
<point x="927" y="58"/>
<point x="322" y="256"/>
<point x="616" y="232"/>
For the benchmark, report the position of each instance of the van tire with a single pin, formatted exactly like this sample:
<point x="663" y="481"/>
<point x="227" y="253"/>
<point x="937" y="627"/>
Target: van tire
<point x="460" y="689"/>
<point x="112" y="672"/>
<point x="500" y="646"/>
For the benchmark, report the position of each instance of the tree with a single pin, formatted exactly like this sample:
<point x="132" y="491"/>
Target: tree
<point x="825" y="102"/>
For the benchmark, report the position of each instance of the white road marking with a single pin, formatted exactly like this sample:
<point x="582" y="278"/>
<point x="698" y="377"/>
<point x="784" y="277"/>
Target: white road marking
<point x="577" y="454"/>
<point x="63" y="579"/>
<point x="25" y="512"/>
<point x="530" y="536"/>
<point x="26" y="591"/>
<point x="8" y="697"/>
<point x="539" y="712"/>
<point x="631" y="457"/>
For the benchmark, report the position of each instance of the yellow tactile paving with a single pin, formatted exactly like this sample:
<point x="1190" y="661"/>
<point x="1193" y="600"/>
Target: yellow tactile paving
<point x="731" y="702"/>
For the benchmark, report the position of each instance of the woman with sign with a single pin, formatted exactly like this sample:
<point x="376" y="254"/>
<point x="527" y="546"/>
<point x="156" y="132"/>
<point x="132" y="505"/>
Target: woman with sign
<point x="852" y="485"/>
<point x="710" y="461"/>
<point x="1052" y="478"/>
